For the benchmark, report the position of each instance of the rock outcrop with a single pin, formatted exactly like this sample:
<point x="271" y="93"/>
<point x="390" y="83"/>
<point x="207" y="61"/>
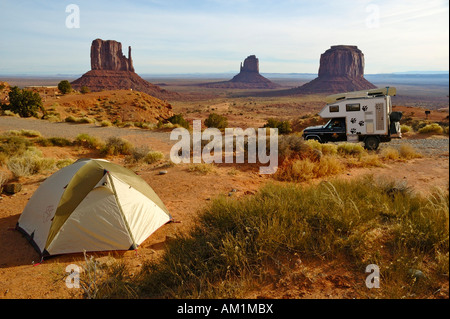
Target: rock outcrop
<point x="248" y="78"/>
<point x="341" y="70"/>
<point x="111" y="70"/>
<point x="251" y="64"/>
<point x="107" y="55"/>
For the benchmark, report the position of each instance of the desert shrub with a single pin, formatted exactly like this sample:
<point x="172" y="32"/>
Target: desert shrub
<point x="53" y="141"/>
<point x="408" y="152"/>
<point x="153" y="157"/>
<point x="64" y="162"/>
<point x="78" y="120"/>
<point x="418" y="124"/>
<point x="126" y="124"/>
<point x="146" y="126"/>
<point x="201" y="168"/>
<point x="302" y="170"/>
<point x="390" y="153"/>
<point x="350" y="149"/>
<point x="284" y="127"/>
<point x="178" y="119"/>
<point x="234" y="242"/>
<point x="8" y="113"/>
<point x="433" y="128"/>
<point x="217" y="121"/>
<point x="65" y="87"/>
<point x="117" y="146"/>
<point x="85" y="120"/>
<point x="326" y="149"/>
<point x="25" y="103"/>
<point x="13" y="145"/>
<point x="405" y="128"/>
<point x="26" y="133"/>
<point x="70" y="119"/>
<point x="84" y="89"/>
<point x="364" y="160"/>
<point x="88" y="141"/>
<point x="105" y="123"/>
<point x="292" y="146"/>
<point x="446" y="130"/>
<point x="52" y="118"/>
<point x="30" y="163"/>
<point x="144" y="154"/>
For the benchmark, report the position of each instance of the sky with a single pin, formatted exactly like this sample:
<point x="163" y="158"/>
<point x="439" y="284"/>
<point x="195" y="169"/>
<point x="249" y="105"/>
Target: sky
<point x="214" y="36"/>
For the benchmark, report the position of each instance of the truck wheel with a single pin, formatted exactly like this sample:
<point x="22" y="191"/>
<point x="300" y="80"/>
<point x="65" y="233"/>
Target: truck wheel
<point x="371" y="143"/>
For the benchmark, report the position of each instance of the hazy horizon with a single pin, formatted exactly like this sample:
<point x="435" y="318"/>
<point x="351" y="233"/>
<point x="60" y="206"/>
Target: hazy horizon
<point x="215" y="36"/>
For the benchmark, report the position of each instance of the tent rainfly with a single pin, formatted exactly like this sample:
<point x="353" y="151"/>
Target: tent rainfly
<point x="91" y="205"/>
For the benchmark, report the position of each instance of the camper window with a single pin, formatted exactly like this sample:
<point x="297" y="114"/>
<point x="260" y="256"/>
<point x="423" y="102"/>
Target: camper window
<point x="334" y="108"/>
<point x="353" y="107"/>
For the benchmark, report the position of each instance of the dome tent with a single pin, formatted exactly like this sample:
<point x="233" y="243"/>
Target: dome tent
<point x="91" y="205"/>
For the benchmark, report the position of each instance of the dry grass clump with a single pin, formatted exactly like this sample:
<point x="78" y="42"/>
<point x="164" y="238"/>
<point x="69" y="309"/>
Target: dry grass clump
<point x="79" y="120"/>
<point x="236" y="241"/>
<point x="88" y="141"/>
<point x="117" y="146"/>
<point x="433" y="128"/>
<point x="326" y="149"/>
<point x="405" y="128"/>
<point x="201" y="168"/>
<point x="144" y="155"/>
<point x="302" y="170"/>
<point x="25" y="133"/>
<point x="30" y="163"/>
<point x="408" y="152"/>
<point x="350" y="149"/>
<point x="390" y="153"/>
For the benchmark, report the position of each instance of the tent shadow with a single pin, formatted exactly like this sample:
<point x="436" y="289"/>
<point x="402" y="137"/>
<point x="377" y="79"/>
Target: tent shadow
<point x="16" y="250"/>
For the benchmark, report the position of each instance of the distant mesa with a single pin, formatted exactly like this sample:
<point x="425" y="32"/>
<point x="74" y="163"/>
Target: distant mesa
<point x="248" y="78"/>
<point x="111" y="70"/>
<point x="107" y="55"/>
<point x="341" y="70"/>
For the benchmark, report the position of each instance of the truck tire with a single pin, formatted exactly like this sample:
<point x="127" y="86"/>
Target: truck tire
<point x="371" y="143"/>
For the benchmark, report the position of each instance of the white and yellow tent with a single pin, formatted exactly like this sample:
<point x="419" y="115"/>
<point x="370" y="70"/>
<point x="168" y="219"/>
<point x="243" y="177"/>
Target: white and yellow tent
<point x="91" y="205"/>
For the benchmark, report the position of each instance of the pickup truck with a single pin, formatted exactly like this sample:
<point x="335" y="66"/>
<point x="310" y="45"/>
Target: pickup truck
<point x="363" y="116"/>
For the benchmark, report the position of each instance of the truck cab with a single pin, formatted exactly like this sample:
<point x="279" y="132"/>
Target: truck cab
<point x="333" y="131"/>
<point x="362" y="116"/>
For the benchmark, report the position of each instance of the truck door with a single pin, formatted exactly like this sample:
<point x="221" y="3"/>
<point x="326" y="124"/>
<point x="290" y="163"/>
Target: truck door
<point x="338" y="130"/>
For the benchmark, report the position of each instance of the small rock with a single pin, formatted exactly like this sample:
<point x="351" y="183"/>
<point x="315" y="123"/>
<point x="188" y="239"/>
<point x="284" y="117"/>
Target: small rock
<point x="13" y="188"/>
<point x="416" y="273"/>
<point x="162" y="172"/>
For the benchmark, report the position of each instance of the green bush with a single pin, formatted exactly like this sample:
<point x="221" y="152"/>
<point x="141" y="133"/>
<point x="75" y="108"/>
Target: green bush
<point x="25" y="103"/>
<point x="117" y="146"/>
<point x="178" y="119"/>
<point x="284" y="127"/>
<point x="216" y="121"/>
<point x="13" y="145"/>
<point x="87" y="141"/>
<point x="153" y="157"/>
<point x="65" y="87"/>
<point x="433" y="128"/>
<point x="84" y="89"/>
